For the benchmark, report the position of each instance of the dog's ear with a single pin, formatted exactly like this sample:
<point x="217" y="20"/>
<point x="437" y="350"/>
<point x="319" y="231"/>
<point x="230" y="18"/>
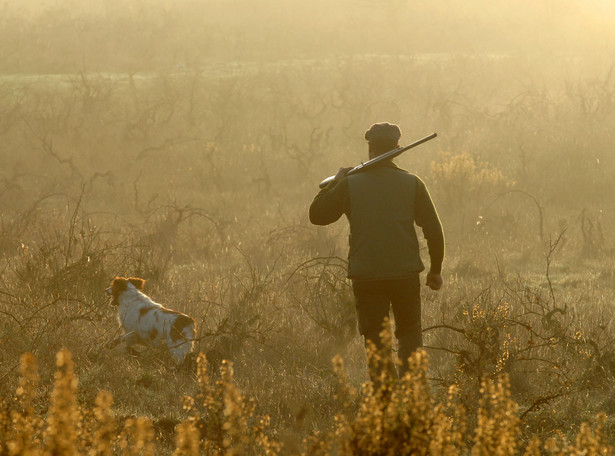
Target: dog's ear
<point x="138" y="283"/>
<point x="118" y="285"/>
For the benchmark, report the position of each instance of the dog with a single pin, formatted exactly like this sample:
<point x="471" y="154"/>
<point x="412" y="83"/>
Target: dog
<point x="149" y="323"/>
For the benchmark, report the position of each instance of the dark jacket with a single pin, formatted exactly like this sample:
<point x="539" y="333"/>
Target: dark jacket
<point x="382" y="205"/>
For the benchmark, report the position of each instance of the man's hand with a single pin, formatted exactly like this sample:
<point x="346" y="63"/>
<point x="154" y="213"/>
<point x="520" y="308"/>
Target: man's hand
<point x="341" y="173"/>
<point x="434" y="281"/>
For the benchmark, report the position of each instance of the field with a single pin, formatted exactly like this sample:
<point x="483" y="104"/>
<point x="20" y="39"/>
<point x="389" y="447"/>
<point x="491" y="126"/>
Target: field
<point x="181" y="144"/>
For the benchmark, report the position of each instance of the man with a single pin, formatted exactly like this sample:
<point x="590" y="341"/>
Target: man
<point x="382" y="204"/>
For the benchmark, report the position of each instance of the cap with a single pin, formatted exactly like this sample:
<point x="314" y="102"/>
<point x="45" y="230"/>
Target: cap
<point x="383" y="132"/>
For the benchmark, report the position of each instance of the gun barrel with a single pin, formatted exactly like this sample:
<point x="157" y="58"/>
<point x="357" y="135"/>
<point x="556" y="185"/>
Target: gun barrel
<point x="386" y="156"/>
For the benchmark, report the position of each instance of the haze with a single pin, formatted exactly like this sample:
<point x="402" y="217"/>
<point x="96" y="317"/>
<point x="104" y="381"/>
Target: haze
<point x="183" y="141"/>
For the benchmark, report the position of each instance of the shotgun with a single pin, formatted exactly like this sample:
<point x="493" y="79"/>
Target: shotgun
<point x="386" y="156"/>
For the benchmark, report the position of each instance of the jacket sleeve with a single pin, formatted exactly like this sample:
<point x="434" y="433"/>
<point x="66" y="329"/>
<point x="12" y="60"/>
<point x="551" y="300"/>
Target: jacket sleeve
<point x="330" y="203"/>
<point x="427" y="218"/>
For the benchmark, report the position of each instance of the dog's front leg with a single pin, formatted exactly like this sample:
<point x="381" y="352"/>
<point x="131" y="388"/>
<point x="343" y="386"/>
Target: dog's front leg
<point x="130" y="339"/>
<point x="114" y="342"/>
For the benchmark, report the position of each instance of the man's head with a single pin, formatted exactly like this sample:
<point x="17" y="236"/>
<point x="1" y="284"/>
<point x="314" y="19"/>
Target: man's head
<point x="382" y="137"/>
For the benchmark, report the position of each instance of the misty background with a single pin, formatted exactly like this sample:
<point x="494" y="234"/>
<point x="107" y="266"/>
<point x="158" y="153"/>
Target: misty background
<point x="183" y="141"/>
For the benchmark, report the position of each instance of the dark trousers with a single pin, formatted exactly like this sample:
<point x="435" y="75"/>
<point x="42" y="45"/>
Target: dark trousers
<point x="373" y="300"/>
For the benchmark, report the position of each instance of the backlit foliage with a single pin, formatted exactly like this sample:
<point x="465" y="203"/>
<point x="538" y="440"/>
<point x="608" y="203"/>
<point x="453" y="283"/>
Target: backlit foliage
<point x="463" y="177"/>
<point x="396" y="417"/>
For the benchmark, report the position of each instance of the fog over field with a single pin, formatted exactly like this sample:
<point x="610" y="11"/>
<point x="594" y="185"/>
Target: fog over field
<point x="183" y="142"/>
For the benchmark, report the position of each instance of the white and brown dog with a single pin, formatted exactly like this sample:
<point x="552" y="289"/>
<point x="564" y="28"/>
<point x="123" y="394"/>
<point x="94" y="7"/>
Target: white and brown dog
<point x="149" y="323"/>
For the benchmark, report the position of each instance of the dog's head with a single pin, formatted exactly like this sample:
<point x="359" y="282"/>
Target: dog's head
<point x="120" y="284"/>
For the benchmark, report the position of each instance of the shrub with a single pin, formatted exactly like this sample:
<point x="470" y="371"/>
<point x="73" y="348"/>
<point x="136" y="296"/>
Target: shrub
<point x="463" y="180"/>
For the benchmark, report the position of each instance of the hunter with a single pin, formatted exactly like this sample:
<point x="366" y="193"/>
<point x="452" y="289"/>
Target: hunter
<point x="382" y="204"/>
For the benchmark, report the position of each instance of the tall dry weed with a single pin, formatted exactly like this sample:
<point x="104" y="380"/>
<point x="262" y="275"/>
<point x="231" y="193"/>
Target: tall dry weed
<point x="498" y="425"/>
<point x="64" y="420"/>
<point x="399" y="416"/>
<point x="390" y="417"/>
<point x="222" y="420"/>
<point x="25" y="423"/>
